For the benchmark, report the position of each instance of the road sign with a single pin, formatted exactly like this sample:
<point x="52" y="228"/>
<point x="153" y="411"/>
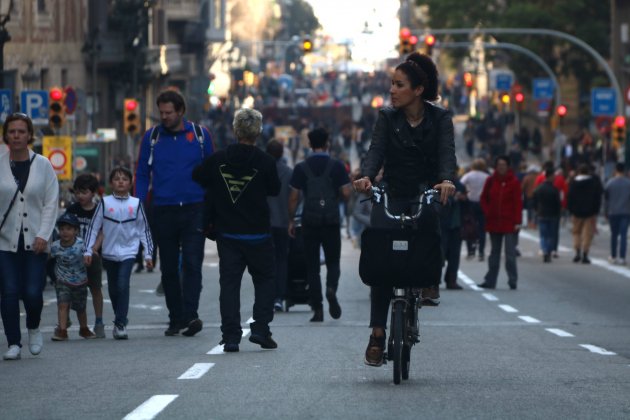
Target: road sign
<point x="543" y="106"/>
<point x="6" y="104"/>
<point x="35" y="105"/>
<point x="71" y="100"/>
<point x="504" y="81"/>
<point x="542" y="89"/>
<point x="58" y="150"/>
<point x="603" y="102"/>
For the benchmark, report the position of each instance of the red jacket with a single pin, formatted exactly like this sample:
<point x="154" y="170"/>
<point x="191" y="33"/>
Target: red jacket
<point x="502" y="203"/>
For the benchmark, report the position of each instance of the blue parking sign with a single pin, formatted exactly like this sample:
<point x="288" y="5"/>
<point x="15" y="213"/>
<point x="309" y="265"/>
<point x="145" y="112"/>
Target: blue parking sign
<point x="542" y="89"/>
<point x="603" y="102"/>
<point x="35" y="104"/>
<point x="6" y="104"/>
<point x="504" y="81"/>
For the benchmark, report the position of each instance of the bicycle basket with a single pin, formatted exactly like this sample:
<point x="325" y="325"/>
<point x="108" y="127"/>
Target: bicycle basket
<point x="400" y="258"/>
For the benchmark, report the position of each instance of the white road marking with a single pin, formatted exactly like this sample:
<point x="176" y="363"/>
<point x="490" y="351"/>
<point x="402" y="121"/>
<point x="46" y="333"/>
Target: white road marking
<point x="151" y="291"/>
<point x="476" y="288"/>
<point x="196" y="371"/>
<point x="219" y="349"/>
<point x="144" y="306"/>
<point x="508" y="308"/>
<point x="151" y="407"/>
<point x="529" y="319"/>
<point x="559" y="332"/>
<point x="598" y="350"/>
<point x="213" y="264"/>
<point x="490" y="297"/>
<point x="463" y="277"/>
<point x="250" y="320"/>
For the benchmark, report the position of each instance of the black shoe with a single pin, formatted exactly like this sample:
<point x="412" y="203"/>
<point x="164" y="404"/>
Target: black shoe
<point x="229" y="347"/>
<point x="585" y="259"/>
<point x="264" y="342"/>
<point x="375" y="351"/>
<point x="512" y="286"/>
<point x="577" y="258"/>
<point x="318" y="315"/>
<point x="333" y="304"/>
<point x="194" y="327"/>
<point x="485" y="285"/>
<point x="547" y="258"/>
<point x="173" y="329"/>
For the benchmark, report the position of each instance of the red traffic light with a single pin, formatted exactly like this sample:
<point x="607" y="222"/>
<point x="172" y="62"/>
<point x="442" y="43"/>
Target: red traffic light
<point x="131" y="105"/>
<point x="56" y="94"/>
<point x="413" y="40"/>
<point x="429" y="40"/>
<point x="561" y="110"/>
<point x="519" y="97"/>
<point x="620" y="121"/>
<point x="468" y="79"/>
<point x="405" y="33"/>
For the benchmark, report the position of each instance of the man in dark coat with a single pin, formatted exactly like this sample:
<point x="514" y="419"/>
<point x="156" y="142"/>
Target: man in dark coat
<point x="583" y="201"/>
<point x="546" y="201"/>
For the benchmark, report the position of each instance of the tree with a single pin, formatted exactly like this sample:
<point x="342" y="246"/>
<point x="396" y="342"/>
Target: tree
<point x="298" y="19"/>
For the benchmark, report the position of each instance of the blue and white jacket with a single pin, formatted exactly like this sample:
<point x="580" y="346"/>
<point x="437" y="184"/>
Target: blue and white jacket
<point x="124" y="225"/>
<point x="175" y="155"/>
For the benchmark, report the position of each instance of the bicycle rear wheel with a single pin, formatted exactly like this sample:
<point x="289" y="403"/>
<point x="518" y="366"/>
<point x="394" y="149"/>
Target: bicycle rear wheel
<point x="398" y="320"/>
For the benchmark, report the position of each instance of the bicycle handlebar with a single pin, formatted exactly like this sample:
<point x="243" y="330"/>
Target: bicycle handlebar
<point x="379" y="193"/>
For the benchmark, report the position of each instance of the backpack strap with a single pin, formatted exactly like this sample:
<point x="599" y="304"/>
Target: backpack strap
<point x="155" y="133"/>
<point x="200" y="139"/>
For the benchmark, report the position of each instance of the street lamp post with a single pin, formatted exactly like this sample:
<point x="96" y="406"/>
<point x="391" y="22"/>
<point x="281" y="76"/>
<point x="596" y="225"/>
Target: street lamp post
<point x="5" y="16"/>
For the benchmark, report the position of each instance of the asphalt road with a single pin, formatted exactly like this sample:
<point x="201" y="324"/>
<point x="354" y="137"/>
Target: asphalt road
<point x="559" y="346"/>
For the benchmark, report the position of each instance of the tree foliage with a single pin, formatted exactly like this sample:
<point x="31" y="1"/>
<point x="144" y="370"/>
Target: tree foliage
<point x="588" y="20"/>
<point x="298" y="18"/>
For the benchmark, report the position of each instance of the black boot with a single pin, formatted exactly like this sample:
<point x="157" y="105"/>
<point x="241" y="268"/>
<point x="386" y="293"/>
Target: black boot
<point x="578" y="256"/>
<point x="585" y="259"/>
<point x="318" y="315"/>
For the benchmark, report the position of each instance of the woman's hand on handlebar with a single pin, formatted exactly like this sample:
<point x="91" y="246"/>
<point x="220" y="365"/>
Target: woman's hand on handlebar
<point x="446" y="189"/>
<point x="362" y="184"/>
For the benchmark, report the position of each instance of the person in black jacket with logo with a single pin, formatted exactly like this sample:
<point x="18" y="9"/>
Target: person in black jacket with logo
<point x="413" y="141"/>
<point x="238" y="181"/>
<point x="546" y="201"/>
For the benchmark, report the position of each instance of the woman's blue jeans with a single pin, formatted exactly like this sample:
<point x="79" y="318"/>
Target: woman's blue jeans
<point x="618" y="234"/>
<point x="118" y="276"/>
<point x="22" y="276"/>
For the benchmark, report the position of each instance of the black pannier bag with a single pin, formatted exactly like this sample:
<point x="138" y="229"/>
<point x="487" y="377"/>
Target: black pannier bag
<point x="400" y="258"/>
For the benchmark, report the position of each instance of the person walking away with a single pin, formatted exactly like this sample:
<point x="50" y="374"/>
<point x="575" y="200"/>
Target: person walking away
<point x="502" y="204"/>
<point x="546" y="201"/>
<point x="617" y="194"/>
<point x="168" y="154"/>
<point x="84" y="189"/>
<point x="323" y="182"/>
<point x="280" y="221"/>
<point x="451" y="226"/>
<point x="583" y="201"/>
<point x="562" y="186"/>
<point x="72" y="277"/>
<point x="528" y="187"/>
<point x="413" y="141"/>
<point x="30" y="194"/>
<point x="474" y="181"/>
<point x="238" y="180"/>
<point x="124" y="223"/>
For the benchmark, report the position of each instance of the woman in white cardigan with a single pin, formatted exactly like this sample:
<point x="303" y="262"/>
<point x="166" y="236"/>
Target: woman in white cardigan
<point x="29" y="193"/>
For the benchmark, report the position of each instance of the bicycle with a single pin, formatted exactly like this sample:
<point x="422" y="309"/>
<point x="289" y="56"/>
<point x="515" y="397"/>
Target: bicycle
<point x="406" y="300"/>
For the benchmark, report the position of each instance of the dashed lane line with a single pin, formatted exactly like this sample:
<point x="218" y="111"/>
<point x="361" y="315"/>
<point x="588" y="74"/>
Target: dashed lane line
<point x="598" y="350"/>
<point x="490" y="297"/>
<point x="219" y="349"/>
<point x="529" y="319"/>
<point x="196" y="371"/>
<point x="559" y="332"/>
<point x="508" y="308"/>
<point x="151" y="408"/>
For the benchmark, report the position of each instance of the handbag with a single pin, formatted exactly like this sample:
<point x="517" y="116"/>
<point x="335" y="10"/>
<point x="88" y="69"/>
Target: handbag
<point x="400" y="258"/>
<point x="17" y="190"/>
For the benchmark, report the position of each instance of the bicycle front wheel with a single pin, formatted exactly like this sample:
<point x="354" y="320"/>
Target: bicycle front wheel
<point x="398" y="320"/>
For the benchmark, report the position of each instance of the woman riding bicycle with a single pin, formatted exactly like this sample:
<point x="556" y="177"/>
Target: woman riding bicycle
<point x="413" y="142"/>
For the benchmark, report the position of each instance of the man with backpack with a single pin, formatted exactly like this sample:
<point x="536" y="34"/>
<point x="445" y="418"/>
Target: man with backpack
<point x="168" y="153"/>
<point x="323" y="181"/>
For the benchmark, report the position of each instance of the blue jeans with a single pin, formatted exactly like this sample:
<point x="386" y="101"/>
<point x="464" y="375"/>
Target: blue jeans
<point x="180" y="227"/>
<point x="548" y="228"/>
<point x="118" y="275"/>
<point x="618" y="232"/>
<point x="258" y="257"/>
<point x="22" y="276"/>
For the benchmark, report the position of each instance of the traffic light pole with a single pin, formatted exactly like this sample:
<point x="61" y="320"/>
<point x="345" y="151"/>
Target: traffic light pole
<point x="549" y="32"/>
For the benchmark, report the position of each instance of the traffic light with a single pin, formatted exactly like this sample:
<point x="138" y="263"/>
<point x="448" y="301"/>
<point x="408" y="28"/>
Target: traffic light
<point x="429" y="42"/>
<point x="307" y="45"/>
<point x="519" y="98"/>
<point x="619" y="131"/>
<point x="56" y="108"/>
<point x="561" y="111"/>
<point x="403" y="41"/>
<point x="131" y="117"/>
<point x="468" y="80"/>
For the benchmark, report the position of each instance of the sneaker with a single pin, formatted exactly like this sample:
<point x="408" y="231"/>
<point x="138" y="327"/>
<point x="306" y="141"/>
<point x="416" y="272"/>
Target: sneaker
<point x="120" y="332"/>
<point x="229" y="347"/>
<point x="35" y="341"/>
<point x="193" y="327"/>
<point x="14" y="353"/>
<point x="430" y="296"/>
<point x="375" y="351"/>
<point x="277" y="305"/>
<point x="318" y="315"/>
<point x="86" y="333"/>
<point x="99" y="331"/>
<point x="266" y="342"/>
<point x="159" y="290"/>
<point x="173" y="328"/>
<point x="59" y="335"/>
<point x="621" y="261"/>
<point x="333" y="304"/>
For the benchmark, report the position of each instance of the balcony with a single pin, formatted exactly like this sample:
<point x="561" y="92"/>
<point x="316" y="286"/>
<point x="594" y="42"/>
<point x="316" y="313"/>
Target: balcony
<point x="182" y="10"/>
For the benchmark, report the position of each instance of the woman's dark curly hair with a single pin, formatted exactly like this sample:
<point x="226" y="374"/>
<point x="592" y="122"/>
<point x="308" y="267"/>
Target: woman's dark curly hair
<point x="421" y="71"/>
